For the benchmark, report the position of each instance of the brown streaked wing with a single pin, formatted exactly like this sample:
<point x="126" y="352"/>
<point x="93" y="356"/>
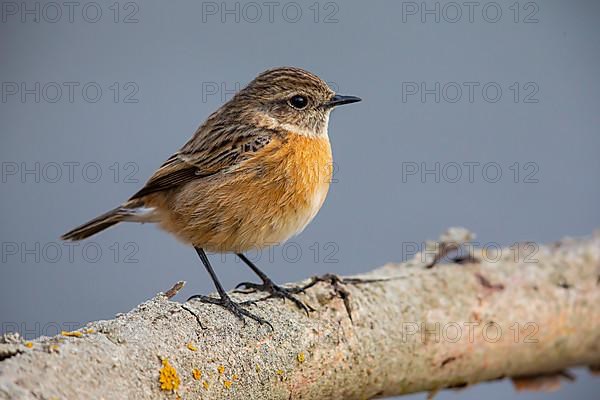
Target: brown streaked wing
<point x="183" y="167"/>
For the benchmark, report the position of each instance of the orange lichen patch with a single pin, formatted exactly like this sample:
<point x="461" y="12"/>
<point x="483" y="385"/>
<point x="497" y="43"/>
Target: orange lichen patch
<point x="197" y="374"/>
<point x="205" y="385"/>
<point x="227" y="384"/>
<point x="72" y="334"/>
<point x="235" y="377"/>
<point x="220" y="369"/>
<point x="29" y="344"/>
<point x="280" y="375"/>
<point x="301" y="357"/>
<point x="168" y="378"/>
<point x="192" y="346"/>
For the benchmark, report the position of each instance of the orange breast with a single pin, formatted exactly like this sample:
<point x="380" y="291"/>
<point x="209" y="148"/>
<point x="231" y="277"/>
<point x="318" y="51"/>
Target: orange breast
<point x="304" y="163"/>
<point x="263" y="201"/>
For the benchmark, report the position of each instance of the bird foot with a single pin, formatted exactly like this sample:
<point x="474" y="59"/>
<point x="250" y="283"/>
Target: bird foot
<point x="274" y="291"/>
<point x="233" y="307"/>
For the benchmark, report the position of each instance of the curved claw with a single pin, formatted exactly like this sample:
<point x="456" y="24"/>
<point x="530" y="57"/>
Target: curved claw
<point x="307" y="308"/>
<point x="196" y="296"/>
<point x="248" y="287"/>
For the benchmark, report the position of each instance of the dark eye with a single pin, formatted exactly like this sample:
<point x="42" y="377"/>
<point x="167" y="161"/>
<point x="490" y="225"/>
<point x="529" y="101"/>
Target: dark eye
<point x="298" y="101"/>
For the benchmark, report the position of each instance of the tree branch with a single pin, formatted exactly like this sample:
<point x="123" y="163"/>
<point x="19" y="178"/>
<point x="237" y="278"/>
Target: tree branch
<point x="527" y="313"/>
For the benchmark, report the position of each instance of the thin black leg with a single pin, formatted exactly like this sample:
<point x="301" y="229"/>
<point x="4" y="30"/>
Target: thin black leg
<point x="253" y="267"/>
<point x="211" y="271"/>
<point x="269" y="286"/>
<point x="224" y="300"/>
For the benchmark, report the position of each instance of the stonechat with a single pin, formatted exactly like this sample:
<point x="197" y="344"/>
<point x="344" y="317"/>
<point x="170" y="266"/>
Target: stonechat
<point x="255" y="173"/>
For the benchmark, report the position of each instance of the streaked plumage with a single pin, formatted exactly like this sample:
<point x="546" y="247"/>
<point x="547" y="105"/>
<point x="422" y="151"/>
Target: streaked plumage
<point x="255" y="173"/>
<point x="252" y="175"/>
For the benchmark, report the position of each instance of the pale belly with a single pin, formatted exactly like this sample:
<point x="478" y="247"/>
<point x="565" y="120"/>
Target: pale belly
<point x="295" y="222"/>
<point x="246" y="222"/>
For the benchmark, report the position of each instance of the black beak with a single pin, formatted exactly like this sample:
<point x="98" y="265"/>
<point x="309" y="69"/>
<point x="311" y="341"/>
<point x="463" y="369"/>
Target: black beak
<point x="339" y="100"/>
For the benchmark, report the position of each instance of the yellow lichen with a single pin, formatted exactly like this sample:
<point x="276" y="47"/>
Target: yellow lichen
<point x="301" y="357"/>
<point x="169" y="380"/>
<point x="72" y="333"/>
<point x="220" y="369"/>
<point x="235" y="377"/>
<point x="205" y="385"/>
<point x="53" y="348"/>
<point x="191" y="346"/>
<point x="227" y="384"/>
<point x="29" y="344"/>
<point x="257" y="368"/>
<point x="279" y="372"/>
<point x="90" y="331"/>
<point x="197" y="374"/>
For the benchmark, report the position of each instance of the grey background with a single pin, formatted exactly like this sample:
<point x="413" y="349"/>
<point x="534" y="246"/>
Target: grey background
<point x="171" y="57"/>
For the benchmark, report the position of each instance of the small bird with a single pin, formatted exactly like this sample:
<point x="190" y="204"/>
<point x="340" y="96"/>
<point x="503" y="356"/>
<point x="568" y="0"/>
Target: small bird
<point x="254" y="174"/>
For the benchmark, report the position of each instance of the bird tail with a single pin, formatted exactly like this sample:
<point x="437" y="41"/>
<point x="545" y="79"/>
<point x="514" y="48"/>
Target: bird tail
<point x="126" y="212"/>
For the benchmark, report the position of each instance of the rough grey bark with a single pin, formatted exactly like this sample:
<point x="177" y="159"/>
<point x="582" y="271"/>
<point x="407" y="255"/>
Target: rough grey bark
<point x="532" y="311"/>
